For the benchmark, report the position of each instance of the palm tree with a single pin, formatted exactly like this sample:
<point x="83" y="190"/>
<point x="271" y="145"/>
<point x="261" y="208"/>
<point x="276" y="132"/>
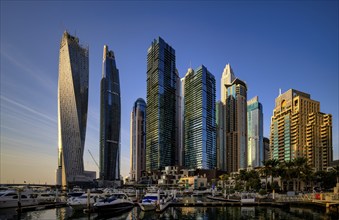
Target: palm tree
<point x="300" y="168"/>
<point x="287" y="171"/>
<point x="243" y="177"/>
<point x="266" y="170"/>
<point x="270" y="168"/>
<point x="253" y="180"/>
<point x="308" y="175"/>
<point x="224" y="178"/>
<point x="336" y="170"/>
<point x="274" y="168"/>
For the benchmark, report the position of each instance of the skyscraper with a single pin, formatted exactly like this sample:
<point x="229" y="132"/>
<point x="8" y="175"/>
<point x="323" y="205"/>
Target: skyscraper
<point x="226" y="79"/>
<point x="162" y="77"/>
<point x="299" y="129"/>
<point x="234" y="121"/>
<point x="266" y="149"/>
<point x="138" y="139"/>
<point x="110" y="117"/>
<point x="181" y="126"/>
<point x="72" y="109"/>
<point x="255" y="129"/>
<point x="220" y="154"/>
<point x="200" y="124"/>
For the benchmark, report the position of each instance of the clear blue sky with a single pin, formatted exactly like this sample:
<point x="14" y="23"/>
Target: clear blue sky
<point x="270" y="45"/>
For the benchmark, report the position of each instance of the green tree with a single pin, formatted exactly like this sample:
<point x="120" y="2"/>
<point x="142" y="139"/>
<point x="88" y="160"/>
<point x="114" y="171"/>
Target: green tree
<point x="301" y="168"/>
<point x="274" y="168"/>
<point x="224" y="179"/>
<point x="336" y="171"/>
<point x="241" y="180"/>
<point x="270" y="168"/>
<point x="253" y="180"/>
<point x="287" y="172"/>
<point x="326" y="180"/>
<point x="265" y="170"/>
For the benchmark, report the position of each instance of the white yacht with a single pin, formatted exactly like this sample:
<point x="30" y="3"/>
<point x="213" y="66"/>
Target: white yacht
<point x="9" y="199"/>
<point x="149" y="202"/>
<point x="80" y="202"/>
<point x="46" y="197"/>
<point x="247" y="198"/>
<point x="116" y="203"/>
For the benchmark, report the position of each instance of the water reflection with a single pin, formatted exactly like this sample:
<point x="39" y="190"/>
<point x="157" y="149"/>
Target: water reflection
<point x="186" y="213"/>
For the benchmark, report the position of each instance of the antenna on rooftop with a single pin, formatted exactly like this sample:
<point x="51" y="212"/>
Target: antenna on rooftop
<point x="279" y="91"/>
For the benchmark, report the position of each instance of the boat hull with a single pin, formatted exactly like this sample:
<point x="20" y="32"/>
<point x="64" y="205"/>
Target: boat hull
<point x="113" y="208"/>
<point x="14" y="203"/>
<point x="147" y="207"/>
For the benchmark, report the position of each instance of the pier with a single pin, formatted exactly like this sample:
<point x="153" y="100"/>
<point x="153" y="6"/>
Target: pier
<point x="41" y="206"/>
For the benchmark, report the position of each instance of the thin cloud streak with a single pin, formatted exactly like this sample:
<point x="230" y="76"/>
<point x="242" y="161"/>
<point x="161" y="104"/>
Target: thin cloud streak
<point x="33" y="73"/>
<point x="28" y="108"/>
<point x="12" y="116"/>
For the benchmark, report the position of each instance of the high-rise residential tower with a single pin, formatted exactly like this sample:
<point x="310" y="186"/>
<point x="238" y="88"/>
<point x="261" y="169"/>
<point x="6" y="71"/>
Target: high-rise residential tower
<point x="220" y="154"/>
<point x="110" y="118"/>
<point x="138" y="140"/>
<point x="233" y="122"/>
<point x="255" y="130"/>
<point x="226" y="79"/>
<point x="72" y="109"/>
<point x="299" y="129"/>
<point x="199" y="120"/>
<point x="161" y="111"/>
<point x="266" y="149"/>
<point x="181" y="126"/>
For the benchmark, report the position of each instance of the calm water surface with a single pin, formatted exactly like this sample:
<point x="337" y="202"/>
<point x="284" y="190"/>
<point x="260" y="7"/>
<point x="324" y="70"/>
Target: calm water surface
<point x="229" y="212"/>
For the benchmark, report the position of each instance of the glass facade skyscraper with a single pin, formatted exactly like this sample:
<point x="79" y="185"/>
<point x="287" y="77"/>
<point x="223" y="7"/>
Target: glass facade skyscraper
<point x="220" y="149"/>
<point x="226" y="79"/>
<point x="199" y="119"/>
<point x="255" y="129"/>
<point x="72" y="109"/>
<point x="180" y="120"/>
<point x="138" y="140"/>
<point x="110" y="118"/>
<point x="234" y="121"/>
<point x="161" y="112"/>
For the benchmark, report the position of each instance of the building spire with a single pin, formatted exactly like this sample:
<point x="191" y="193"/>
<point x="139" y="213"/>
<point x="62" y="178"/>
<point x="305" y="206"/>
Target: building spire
<point x="228" y="75"/>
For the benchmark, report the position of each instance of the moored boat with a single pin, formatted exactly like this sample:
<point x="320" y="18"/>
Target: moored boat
<point x="222" y="199"/>
<point x="10" y="199"/>
<point x="116" y="203"/>
<point x="81" y="202"/>
<point x="247" y="198"/>
<point x="46" y="197"/>
<point x="149" y="202"/>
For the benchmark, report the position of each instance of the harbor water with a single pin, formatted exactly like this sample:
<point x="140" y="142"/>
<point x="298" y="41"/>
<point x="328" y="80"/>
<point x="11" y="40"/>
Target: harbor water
<point x="226" y="212"/>
<point x="221" y="212"/>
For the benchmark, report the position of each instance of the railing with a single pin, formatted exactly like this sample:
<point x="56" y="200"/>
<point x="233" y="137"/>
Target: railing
<point x="334" y="197"/>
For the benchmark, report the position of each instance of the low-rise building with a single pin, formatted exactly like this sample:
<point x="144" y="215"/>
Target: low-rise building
<point x="193" y="182"/>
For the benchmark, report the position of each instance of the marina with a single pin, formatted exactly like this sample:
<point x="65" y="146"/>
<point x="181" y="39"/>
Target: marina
<point x="118" y="204"/>
<point x="177" y="211"/>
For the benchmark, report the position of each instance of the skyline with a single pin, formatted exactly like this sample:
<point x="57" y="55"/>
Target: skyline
<point x="287" y="45"/>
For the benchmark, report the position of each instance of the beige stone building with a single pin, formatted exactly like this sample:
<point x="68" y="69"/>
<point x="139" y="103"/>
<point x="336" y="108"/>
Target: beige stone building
<point x="299" y="129"/>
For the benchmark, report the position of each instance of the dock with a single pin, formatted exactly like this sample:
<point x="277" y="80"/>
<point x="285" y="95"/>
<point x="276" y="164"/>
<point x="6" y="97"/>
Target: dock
<point x="212" y="202"/>
<point x="41" y="206"/>
<point x="163" y="207"/>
